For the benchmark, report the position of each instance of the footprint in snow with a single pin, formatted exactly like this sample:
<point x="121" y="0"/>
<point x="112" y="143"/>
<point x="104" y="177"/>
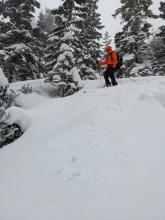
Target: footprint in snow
<point x="74" y="175"/>
<point x="95" y="146"/>
<point x="74" y="159"/>
<point x="59" y="171"/>
<point x="120" y="153"/>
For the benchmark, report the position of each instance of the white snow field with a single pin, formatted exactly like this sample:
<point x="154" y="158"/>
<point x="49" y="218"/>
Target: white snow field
<point x="96" y="155"/>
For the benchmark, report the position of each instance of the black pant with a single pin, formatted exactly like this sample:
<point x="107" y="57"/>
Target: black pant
<point x="109" y="73"/>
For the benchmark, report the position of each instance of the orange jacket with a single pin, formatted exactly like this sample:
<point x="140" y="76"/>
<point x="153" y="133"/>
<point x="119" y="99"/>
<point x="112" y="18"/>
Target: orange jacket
<point x="111" y="58"/>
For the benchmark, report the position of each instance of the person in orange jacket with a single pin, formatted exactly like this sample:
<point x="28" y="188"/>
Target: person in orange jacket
<point x="110" y="61"/>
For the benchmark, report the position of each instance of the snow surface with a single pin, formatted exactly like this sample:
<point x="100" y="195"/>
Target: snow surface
<point x="3" y="79"/>
<point x="98" y="154"/>
<point x="18" y="116"/>
<point x="18" y="47"/>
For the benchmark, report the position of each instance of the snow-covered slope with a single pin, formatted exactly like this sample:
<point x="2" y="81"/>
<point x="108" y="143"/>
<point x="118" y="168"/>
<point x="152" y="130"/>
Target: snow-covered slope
<point x="96" y="155"/>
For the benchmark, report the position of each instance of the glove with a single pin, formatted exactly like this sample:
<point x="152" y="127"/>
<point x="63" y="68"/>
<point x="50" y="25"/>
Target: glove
<point x="97" y="62"/>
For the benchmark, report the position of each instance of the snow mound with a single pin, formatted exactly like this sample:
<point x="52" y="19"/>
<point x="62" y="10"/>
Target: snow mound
<point x="18" y="116"/>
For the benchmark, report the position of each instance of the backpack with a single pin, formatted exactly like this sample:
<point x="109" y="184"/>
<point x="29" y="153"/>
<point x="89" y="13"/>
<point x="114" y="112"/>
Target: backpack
<point x="119" y="60"/>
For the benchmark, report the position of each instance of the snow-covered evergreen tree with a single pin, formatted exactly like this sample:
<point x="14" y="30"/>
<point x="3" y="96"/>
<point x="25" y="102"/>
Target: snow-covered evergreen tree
<point x="106" y="39"/>
<point x="40" y="44"/>
<point x="84" y="25"/>
<point x="8" y="133"/>
<point x="90" y="37"/>
<point x="132" y="41"/>
<point x="17" y="41"/>
<point x="158" y="45"/>
<point x="45" y="24"/>
<point x="162" y="9"/>
<point x="46" y="21"/>
<point x="62" y="53"/>
<point x="3" y="29"/>
<point x="105" y="42"/>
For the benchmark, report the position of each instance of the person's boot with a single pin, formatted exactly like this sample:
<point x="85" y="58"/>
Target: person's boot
<point x="108" y="85"/>
<point x="114" y="83"/>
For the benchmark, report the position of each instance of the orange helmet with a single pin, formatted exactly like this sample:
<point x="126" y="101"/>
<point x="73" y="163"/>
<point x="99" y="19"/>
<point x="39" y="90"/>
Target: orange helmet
<point x="108" y="48"/>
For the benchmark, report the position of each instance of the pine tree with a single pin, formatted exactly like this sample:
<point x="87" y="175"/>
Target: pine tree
<point x="90" y="37"/>
<point x="3" y="30"/>
<point x="162" y="9"/>
<point x="105" y="42"/>
<point x="106" y="39"/>
<point x="132" y="40"/>
<point x="45" y="24"/>
<point x="81" y="34"/>
<point x="46" y="21"/>
<point x="158" y="45"/>
<point x="17" y="41"/>
<point x="62" y="50"/>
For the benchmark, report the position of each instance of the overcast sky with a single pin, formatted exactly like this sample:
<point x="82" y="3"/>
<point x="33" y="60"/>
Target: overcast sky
<point x="106" y="9"/>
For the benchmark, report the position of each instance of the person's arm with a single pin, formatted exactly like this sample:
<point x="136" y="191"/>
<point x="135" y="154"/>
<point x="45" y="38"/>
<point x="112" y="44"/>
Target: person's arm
<point x="114" y="57"/>
<point x="102" y="62"/>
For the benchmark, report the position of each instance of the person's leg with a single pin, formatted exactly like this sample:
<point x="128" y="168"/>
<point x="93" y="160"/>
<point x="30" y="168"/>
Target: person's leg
<point x="112" y="76"/>
<point x="106" y="77"/>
